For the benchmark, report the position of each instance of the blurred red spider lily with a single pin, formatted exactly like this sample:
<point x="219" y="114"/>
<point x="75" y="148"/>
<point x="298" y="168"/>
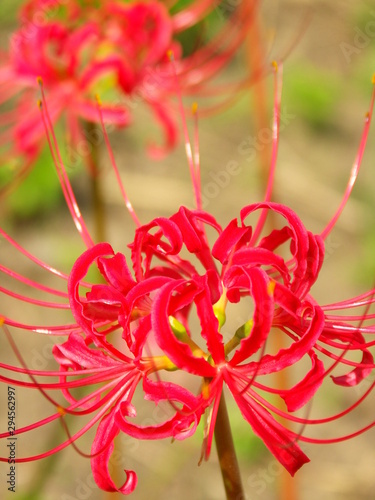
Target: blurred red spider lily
<point x="170" y="311"/>
<point x="117" y="48"/>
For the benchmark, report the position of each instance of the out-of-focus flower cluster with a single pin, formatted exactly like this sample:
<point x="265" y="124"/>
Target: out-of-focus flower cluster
<point x="115" y="48"/>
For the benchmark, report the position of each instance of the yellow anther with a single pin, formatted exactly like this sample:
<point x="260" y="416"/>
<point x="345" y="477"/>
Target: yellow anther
<point x="275" y="65"/>
<point x="271" y="287"/>
<point x="98" y="100"/>
<point x="153" y="364"/>
<point x="40" y="104"/>
<point x="373" y="79"/>
<point x="170" y="55"/>
<point x="2" y="321"/>
<point x="61" y="410"/>
<point x="194" y="108"/>
<point x="40" y="80"/>
<point x="206" y="391"/>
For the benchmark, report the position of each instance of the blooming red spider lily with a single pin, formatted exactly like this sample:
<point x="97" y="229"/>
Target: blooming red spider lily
<point x="116" y="48"/>
<point x="169" y="309"/>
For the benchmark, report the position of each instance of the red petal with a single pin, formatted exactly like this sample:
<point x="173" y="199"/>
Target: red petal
<point x="75" y="354"/>
<point x="105" y="435"/>
<point x="359" y="373"/>
<point x="299" y="246"/>
<point x="276" y="238"/>
<point x="278" y="440"/>
<point x="290" y="356"/>
<point x="167" y="241"/>
<point x="262" y="318"/>
<point x="78" y="272"/>
<point x="229" y="240"/>
<point x="180" y="426"/>
<point x="116" y="272"/>
<point x="179" y="352"/>
<point x="262" y="257"/>
<point x="193" y="234"/>
<point x="209" y="324"/>
<point x="301" y="393"/>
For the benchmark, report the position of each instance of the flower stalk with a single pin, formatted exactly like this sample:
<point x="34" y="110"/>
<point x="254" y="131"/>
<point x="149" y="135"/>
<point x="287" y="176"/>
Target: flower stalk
<point x="230" y="470"/>
<point x="97" y="198"/>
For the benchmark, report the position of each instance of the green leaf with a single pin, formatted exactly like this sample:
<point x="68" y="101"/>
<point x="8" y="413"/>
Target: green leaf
<point x="39" y="192"/>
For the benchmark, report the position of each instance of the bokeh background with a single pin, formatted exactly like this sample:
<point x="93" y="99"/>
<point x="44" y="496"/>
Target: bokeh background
<point x="329" y="50"/>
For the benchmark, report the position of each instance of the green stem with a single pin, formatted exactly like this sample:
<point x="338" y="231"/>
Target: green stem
<point x="227" y="455"/>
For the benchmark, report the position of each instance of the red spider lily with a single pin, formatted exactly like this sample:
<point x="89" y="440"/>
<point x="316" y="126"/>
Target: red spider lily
<point x="81" y="48"/>
<point x="178" y="277"/>
<point x="159" y="303"/>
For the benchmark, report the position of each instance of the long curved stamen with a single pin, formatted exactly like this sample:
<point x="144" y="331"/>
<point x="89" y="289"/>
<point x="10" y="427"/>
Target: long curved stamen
<point x="358" y="301"/>
<point x="68" y="442"/>
<point x="60" y="373"/>
<point x="30" y="300"/>
<point x="128" y="204"/>
<point x="31" y="257"/>
<point x="340" y="359"/>
<point x="338" y="439"/>
<point x="355" y="168"/>
<point x="31" y="283"/>
<point x="193" y="167"/>
<point x="55" y="330"/>
<point x="61" y="172"/>
<point x="197" y="156"/>
<point x="120" y="383"/>
<point x="293" y="418"/>
<point x="277" y="70"/>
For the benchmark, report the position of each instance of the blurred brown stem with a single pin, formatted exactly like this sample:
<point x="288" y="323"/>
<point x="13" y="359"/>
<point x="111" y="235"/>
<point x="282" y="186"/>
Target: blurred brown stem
<point x="96" y="186"/>
<point x="256" y="60"/>
<point x="227" y="454"/>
